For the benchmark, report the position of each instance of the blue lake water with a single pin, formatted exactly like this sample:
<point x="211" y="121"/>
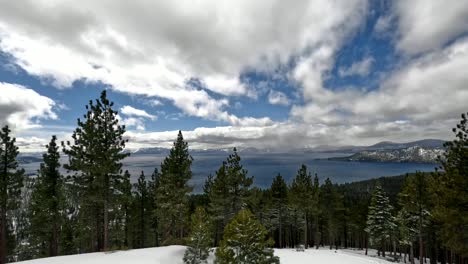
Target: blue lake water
<point x="266" y="166"/>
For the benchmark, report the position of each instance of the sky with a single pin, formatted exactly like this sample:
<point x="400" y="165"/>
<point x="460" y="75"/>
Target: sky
<point x="265" y="74"/>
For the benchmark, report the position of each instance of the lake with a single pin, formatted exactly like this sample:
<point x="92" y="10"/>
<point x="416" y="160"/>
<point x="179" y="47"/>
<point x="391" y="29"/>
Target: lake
<point x="266" y="166"/>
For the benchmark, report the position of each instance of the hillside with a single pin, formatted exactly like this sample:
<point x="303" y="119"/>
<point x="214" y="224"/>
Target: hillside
<point x="408" y="154"/>
<point x="174" y="255"/>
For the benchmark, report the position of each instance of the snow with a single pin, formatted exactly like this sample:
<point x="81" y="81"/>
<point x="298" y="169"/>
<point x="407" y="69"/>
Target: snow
<point x="174" y="255"/>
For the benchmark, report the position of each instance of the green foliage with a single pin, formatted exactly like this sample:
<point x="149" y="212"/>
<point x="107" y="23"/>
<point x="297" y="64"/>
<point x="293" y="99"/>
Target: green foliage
<point x="199" y="241"/>
<point x="11" y="182"/>
<point x="279" y="207"/>
<point x="47" y="205"/>
<point x="172" y="192"/>
<point x="228" y="192"/>
<point x="450" y="188"/>
<point x="95" y="156"/>
<point x="380" y="221"/>
<point x="301" y="196"/>
<point x="245" y="241"/>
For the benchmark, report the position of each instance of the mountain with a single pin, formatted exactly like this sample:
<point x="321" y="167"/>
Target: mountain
<point x="425" y="143"/>
<point x="28" y="159"/>
<point x="412" y="153"/>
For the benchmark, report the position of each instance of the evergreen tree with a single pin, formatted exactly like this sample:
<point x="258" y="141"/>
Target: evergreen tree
<point x="142" y="215"/>
<point x="332" y="210"/>
<point x="408" y="231"/>
<point x="380" y="221"/>
<point x="301" y="195"/>
<point x="199" y="241"/>
<point x="451" y="191"/>
<point x="153" y="185"/>
<point x="315" y="207"/>
<point x="415" y="202"/>
<point x="48" y="204"/>
<point x="172" y="192"/>
<point x="245" y="241"/>
<point x="228" y="192"/>
<point x="217" y="190"/>
<point x="96" y="156"/>
<point x="11" y="182"/>
<point x="126" y="200"/>
<point x="279" y="194"/>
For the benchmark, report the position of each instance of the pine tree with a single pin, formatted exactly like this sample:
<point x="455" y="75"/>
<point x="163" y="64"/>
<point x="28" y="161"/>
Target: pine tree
<point x="95" y="156"/>
<point x="142" y="211"/>
<point x="301" y="195"/>
<point x="11" y="182"/>
<point x="380" y="221"/>
<point x="279" y="194"/>
<point x="408" y="231"/>
<point x="245" y="241"/>
<point x="217" y="190"/>
<point x="228" y="192"/>
<point x="450" y="188"/>
<point x="415" y="202"/>
<point x="315" y="208"/>
<point x="199" y="241"/>
<point x="48" y="204"/>
<point x="332" y="210"/>
<point x="172" y="192"/>
<point x="153" y="185"/>
<point x="126" y="200"/>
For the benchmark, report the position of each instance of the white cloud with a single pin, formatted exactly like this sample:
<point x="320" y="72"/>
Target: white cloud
<point x="277" y="98"/>
<point x="131" y="111"/>
<point x="22" y="108"/>
<point x="425" y="25"/>
<point x="361" y="68"/>
<point x="213" y="41"/>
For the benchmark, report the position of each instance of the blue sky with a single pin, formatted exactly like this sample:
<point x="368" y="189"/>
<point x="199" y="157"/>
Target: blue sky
<point x="267" y="74"/>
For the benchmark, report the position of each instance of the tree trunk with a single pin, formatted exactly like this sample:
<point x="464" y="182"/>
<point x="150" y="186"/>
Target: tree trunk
<point x="3" y="236"/>
<point x="421" y="245"/>
<point x="383" y="248"/>
<point x="305" y="230"/>
<point x="280" y="233"/>
<point x="411" y="253"/>
<point x="366" y="243"/>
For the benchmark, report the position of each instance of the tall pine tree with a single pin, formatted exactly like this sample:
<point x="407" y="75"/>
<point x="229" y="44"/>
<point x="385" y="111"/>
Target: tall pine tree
<point x="48" y="204"/>
<point x="380" y="221"/>
<point x="451" y="191"/>
<point x="228" y="192"/>
<point x="301" y="196"/>
<point x="96" y="156"/>
<point x="415" y="200"/>
<point x="279" y="195"/>
<point x="172" y="192"/>
<point x="11" y="182"/>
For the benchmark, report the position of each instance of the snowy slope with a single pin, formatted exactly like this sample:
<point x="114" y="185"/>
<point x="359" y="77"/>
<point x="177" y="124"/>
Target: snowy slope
<point x="174" y="254"/>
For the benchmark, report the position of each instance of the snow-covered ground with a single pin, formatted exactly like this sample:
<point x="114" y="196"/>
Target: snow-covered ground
<point x="174" y="254"/>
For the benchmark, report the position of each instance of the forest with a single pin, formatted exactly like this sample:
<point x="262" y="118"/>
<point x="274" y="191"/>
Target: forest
<point x="96" y="207"/>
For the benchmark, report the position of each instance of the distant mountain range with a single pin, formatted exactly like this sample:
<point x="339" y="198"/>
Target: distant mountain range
<point x="425" y="143"/>
<point x="406" y="154"/>
<point x="425" y="150"/>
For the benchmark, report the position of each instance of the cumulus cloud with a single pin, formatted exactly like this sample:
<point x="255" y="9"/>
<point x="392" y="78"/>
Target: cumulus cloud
<point x="425" y="25"/>
<point x="212" y="41"/>
<point x="361" y="68"/>
<point x="277" y="98"/>
<point x="23" y="108"/>
<point x="154" y="49"/>
<point x="131" y="111"/>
